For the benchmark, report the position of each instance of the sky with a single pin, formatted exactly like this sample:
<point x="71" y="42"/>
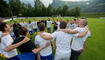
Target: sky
<point x="50" y="1"/>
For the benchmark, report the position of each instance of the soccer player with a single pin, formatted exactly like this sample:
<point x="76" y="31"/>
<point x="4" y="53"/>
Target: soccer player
<point x="6" y="41"/>
<point x="58" y="24"/>
<point x="34" y="25"/>
<point x="47" y="52"/>
<point x="79" y="43"/>
<point x="30" y="29"/>
<point x="23" y="24"/>
<point x="68" y="24"/>
<point x="55" y="26"/>
<point x="63" y="40"/>
<point x="27" y="49"/>
<point x="11" y="32"/>
<point x="49" y="22"/>
<point x="16" y="27"/>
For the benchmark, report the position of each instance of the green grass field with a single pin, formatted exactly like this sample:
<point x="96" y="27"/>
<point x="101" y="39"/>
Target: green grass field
<point x="95" y="49"/>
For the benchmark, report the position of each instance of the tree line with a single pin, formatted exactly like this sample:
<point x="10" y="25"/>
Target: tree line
<point x="17" y="8"/>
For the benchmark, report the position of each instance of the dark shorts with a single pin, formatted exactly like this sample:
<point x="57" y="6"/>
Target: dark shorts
<point x="14" y="58"/>
<point x="34" y="30"/>
<point x="49" y="57"/>
<point x="27" y="56"/>
<point x="30" y="32"/>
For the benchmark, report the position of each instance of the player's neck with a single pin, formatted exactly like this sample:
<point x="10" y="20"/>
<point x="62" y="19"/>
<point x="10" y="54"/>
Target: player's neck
<point x="42" y="31"/>
<point x="81" y="26"/>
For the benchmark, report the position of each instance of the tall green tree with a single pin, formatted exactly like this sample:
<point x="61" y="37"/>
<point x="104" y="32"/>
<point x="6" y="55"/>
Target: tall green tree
<point x="4" y="9"/>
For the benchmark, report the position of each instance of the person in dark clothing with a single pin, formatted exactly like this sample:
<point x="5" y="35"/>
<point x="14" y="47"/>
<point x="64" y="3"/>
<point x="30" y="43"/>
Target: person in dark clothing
<point x="16" y="27"/>
<point x="28" y="49"/>
<point x="55" y="26"/>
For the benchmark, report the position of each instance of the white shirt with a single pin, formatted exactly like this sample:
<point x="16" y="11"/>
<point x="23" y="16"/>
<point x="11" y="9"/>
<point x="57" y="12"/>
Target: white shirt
<point x="29" y="27"/>
<point x="58" y="25"/>
<point x="63" y="41"/>
<point x="73" y="26"/>
<point x="77" y="43"/>
<point x="34" y="25"/>
<point x="5" y="42"/>
<point x="12" y="33"/>
<point x="41" y="42"/>
<point x="49" y="24"/>
<point x="23" y="24"/>
<point x="68" y="26"/>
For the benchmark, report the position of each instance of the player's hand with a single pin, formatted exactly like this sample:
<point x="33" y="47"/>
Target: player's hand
<point x="47" y="44"/>
<point x="4" y="34"/>
<point x="26" y="39"/>
<point x="83" y="50"/>
<point x="60" y="30"/>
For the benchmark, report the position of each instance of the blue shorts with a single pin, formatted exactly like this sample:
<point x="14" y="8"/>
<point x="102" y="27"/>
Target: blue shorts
<point x="30" y="32"/>
<point x="27" y="56"/>
<point x="35" y="30"/>
<point x="49" y="57"/>
<point x="14" y="58"/>
<point x="13" y="36"/>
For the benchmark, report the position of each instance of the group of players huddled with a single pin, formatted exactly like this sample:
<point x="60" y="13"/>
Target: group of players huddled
<point x="68" y="39"/>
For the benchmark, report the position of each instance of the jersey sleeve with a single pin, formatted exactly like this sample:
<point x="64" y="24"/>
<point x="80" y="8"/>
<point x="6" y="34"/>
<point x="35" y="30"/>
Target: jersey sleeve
<point x="54" y="35"/>
<point x="8" y="41"/>
<point x="36" y="41"/>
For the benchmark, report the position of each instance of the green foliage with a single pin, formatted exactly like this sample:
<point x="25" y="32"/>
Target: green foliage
<point x="16" y="8"/>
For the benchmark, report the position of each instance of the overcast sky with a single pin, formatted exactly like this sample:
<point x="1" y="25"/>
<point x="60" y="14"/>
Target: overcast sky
<point x="32" y="1"/>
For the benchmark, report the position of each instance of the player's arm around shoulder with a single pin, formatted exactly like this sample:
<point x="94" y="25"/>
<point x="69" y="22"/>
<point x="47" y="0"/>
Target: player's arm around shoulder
<point x="45" y="36"/>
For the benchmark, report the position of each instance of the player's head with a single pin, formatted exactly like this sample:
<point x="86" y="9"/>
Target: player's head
<point x="67" y="20"/>
<point x="29" y="22"/>
<point x="23" y="31"/>
<point x="42" y="26"/>
<point x="4" y="27"/>
<point x="63" y="25"/>
<point x="22" y="20"/>
<point x="34" y="19"/>
<point x="1" y="20"/>
<point x="48" y="19"/>
<point x="83" y="22"/>
<point x="39" y="20"/>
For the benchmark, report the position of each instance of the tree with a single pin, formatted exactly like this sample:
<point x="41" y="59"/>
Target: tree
<point x="4" y="9"/>
<point x="15" y="6"/>
<point x="65" y="10"/>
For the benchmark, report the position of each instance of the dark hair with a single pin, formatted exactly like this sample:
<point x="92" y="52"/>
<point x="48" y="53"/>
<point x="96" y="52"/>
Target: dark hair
<point x="42" y="26"/>
<point x="29" y="22"/>
<point x="23" y="31"/>
<point x="2" y="26"/>
<point x="63" y="25"/>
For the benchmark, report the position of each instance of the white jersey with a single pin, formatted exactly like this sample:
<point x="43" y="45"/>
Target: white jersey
<point x="11" y="32"/>
<point x="63" y="41"/>
<point x="29" y="27"/>
<point x="5" y="42"/>
<point x="34" y="25"/>
<point x="68" y="25"/>
<point x="49" y="24"/>
<point x="41" y="42"/>
<point x="24" y="24"/>
<point x="58" y="25"/>
<point x="73" y="26"/>
<point x="77" y="43"/>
